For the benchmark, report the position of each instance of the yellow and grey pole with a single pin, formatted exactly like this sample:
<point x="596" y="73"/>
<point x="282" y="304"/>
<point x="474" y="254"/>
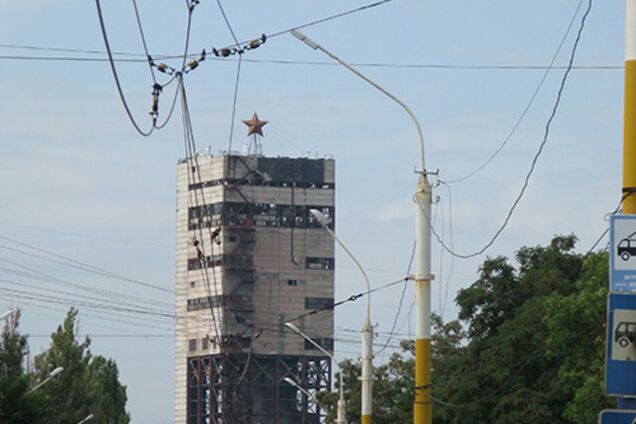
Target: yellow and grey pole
<point x="629" y="134"/>
<point x="422" y="410"/>
<point x="422" y="413"/>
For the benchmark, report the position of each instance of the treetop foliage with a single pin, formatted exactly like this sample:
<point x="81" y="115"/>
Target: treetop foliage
<point x="528" y="346"/>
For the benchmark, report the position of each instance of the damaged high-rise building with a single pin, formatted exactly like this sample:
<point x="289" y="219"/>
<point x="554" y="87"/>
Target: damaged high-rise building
<point x="250" y="257"/>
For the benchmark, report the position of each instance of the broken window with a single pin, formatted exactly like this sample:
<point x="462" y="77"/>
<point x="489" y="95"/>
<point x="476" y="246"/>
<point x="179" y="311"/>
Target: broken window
<point x="319" y="263"/>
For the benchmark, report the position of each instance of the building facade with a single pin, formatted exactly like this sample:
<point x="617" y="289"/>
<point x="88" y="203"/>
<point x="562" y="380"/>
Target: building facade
<point x="250" y="257"/>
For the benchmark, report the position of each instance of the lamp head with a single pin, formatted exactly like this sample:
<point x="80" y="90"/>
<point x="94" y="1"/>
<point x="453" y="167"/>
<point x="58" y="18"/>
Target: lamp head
<point x="56" y="371"/>
<point x="320" y="217"/>
<point x="292" y="327"/>
<point x="302" y="37"/>
<point x="290" y="381"/>
<point x="7" y="314"/>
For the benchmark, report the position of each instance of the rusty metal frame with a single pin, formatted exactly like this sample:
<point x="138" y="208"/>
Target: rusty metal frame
<point x="261" y="396"/>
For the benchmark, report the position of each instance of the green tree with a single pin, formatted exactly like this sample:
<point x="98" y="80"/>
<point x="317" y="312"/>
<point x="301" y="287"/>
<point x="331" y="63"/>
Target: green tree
<point x="88" y="385"/>
<point x="528" y="346"/>
<point x="392" y="390"/>
<point x="17" y="404"/>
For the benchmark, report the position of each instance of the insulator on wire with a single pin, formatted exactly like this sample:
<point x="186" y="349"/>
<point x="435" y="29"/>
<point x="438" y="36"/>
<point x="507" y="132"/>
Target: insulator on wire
<point x="225" y="52"/>
<point x="156" y="91"/>
<point x="256" y="43"/>
<point x="193" y="64"/>
<point x="202" y="56"/>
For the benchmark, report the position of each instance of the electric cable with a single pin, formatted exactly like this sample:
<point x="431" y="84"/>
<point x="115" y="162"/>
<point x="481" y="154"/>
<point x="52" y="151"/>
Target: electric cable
<point x="526" y="109"/>
<point x="452" y="245"/>
<point x="172" y="106"/>
<point x="440" y="66"/>
<point x="116" y="77"/>
<point x="121" y="298"/>
<point x="399" y="307"/>
<point x="329" y="18"/>
<point x="534" y="159"/>
<point x="72" y="263"/>
<point x="234" y="102"/>
<point x="227" y="22"/>
<point x="143" y="41"/>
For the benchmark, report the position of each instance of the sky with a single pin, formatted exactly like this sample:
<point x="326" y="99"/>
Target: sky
<point x="77" y="180"/>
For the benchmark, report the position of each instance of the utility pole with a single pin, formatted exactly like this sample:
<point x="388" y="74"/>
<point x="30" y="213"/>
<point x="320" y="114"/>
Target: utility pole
<point x="423" y="408"/>
<point x="629" y="132"/>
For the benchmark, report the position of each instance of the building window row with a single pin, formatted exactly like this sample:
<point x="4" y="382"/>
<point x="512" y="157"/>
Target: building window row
<point x="233" y="261"/>
<point x="235" y="301"/>
<point x="261" y="182"/>
<point x="259" y="214"/>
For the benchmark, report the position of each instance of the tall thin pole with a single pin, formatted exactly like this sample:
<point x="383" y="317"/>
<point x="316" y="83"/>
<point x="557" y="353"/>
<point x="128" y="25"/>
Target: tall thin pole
<point x="366" y="377"/>
<point x="629" y="134"/>
<point x="423" y="408"/>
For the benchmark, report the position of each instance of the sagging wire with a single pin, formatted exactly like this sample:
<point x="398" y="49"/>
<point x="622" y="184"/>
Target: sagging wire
<point x="145" y="133"/>
<point x="143" y="42"/>
<point x="526" y="109"/>
<point x="157" y="88"/>
<point x="452" y="245"/>
<point x="400" y="303"/>
<point x="535" y="158"/>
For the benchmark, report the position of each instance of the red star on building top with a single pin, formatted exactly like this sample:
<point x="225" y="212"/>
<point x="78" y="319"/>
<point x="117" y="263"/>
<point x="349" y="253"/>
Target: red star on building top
<point x="255" y="126"/>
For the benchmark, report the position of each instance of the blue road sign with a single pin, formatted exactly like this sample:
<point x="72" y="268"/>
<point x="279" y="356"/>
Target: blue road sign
<point x="620" y="370"/>
<point x="623" y="253"/>
<point x="614" y="416"/>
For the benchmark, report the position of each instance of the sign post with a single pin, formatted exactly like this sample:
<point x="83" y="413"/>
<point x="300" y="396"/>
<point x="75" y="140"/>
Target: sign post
<point x="623" y="253"/>
<point x="614" y="416"/>
<point x="620" y="354"/>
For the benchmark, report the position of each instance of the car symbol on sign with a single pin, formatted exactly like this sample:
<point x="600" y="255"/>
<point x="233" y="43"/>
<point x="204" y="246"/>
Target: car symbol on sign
<point x="625" y="333"/>
<point x="627" y="247"/>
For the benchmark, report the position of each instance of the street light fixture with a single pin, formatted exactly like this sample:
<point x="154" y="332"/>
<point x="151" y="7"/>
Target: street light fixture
<point x="291" y="382"/>
<point x="340" y="418"/>
<point x="422" y="408"/>
<point x="367" y="330"/>
<point x="53" y="373"/>
<point x="88" y="418"/>
<point x="7" y="314"/>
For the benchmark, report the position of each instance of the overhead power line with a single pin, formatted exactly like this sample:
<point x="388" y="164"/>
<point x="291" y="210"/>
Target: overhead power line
<point x="136" y="58"/>
<point x="73" y="263"/>
<point x="535" y="158"/>
<point x="526" y="109"/>
<point x="120" y="91"/>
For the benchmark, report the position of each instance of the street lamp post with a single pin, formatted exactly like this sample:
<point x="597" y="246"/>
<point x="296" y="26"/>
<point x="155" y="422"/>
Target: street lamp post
<point x="422" y="407"/>
<point x="366" y="378"/>
<point x="340" y="418"/>
<point x="53" y="373"/>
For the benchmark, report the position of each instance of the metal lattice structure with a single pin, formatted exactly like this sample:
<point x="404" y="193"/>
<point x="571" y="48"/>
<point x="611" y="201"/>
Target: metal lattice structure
<point x="258" y="397"/>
